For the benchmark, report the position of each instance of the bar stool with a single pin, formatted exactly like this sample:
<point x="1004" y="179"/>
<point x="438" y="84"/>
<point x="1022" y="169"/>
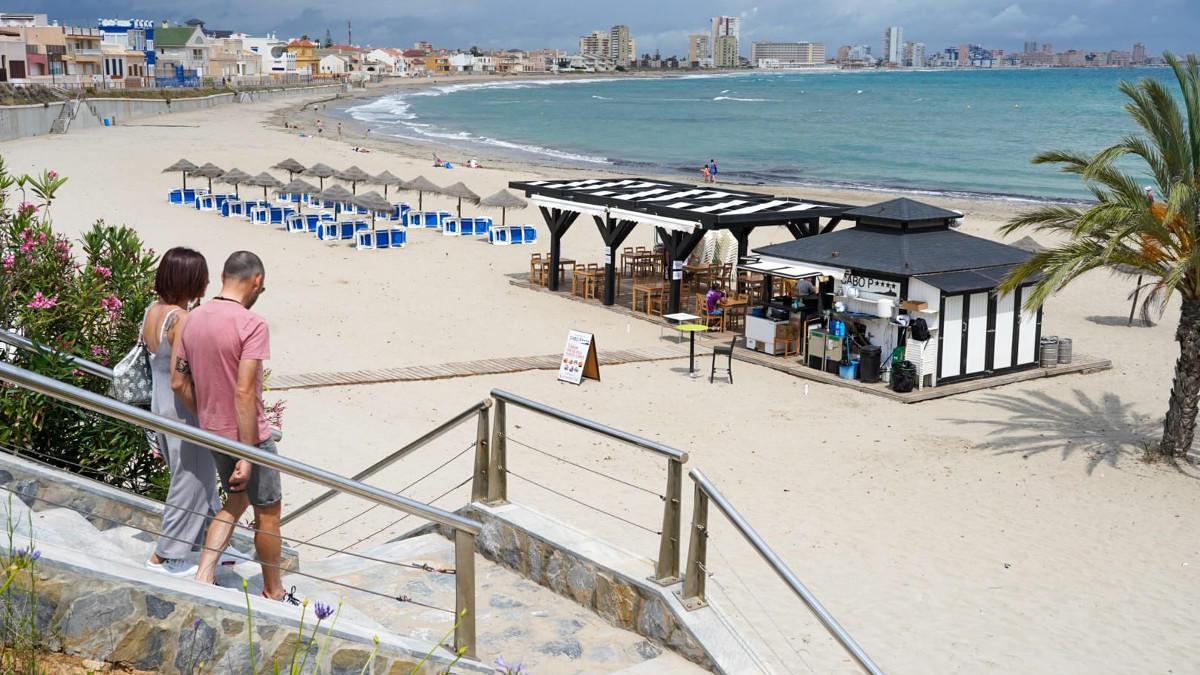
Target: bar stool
<point x="727" y="352"/>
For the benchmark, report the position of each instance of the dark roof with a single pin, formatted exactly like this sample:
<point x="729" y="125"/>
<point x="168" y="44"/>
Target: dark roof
<point x="901" y="212"/>
<point x="971" y="280"/>
<point x="898" y="252"/>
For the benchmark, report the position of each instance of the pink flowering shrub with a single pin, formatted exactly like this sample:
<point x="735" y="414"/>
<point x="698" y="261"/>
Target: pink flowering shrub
<point x="85" y="300"/>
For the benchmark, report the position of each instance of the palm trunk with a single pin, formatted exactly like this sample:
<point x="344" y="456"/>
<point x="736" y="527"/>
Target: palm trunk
<point x="1180" y="424"/>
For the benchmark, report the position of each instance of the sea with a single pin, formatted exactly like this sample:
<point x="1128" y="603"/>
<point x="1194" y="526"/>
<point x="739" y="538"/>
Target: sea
<point x="946" y="132"/>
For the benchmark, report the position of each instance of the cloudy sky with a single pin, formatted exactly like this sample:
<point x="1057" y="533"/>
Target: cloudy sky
<point x="664" y="24"/>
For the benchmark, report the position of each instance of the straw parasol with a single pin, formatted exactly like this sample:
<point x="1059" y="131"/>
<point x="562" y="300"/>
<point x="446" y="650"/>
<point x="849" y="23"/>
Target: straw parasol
<point x="503" y="200"/>
<point x="234" y="177"/>
<point x="182" y="166"/>
<point x="291" y="166"/>
<point x="265" y="181"/>
<point x="298" y="187"/>
<point x="461" y="192"/>
<point x="1029" y="245"/>
<point x="353" y="176"/>
<point x="385" y="179"/>
<point x="420" y="185"/>
<point x="209" y="171"/>
<point x="375" y="204"/>
<point x="321" y="171"/>
<point x="336" y="194"/>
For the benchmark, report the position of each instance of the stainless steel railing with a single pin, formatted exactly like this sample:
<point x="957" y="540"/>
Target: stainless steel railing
<point x="464" y="529"/>
<point x="495" y="490"/>
<point x="694" y="578"/>
<point x="89" y="367"/>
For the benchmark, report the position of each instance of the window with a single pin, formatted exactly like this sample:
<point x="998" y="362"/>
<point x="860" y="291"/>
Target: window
<point x="197" y="54"/>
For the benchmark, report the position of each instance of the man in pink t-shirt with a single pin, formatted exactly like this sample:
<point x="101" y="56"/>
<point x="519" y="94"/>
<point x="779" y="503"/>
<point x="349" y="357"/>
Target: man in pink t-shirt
<point x="218" y="372"/>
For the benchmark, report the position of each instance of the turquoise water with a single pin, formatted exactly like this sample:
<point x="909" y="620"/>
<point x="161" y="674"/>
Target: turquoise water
<point x="951" y="132"/>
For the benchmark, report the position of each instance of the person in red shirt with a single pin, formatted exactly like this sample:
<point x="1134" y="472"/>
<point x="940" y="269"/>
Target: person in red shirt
<point x="219" y="373"/>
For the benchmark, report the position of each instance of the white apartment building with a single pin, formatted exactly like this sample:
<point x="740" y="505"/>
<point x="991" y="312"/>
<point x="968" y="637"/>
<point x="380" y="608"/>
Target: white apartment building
<point x="893" y="45"/>
<point x="787" y="54"/>
<point x="620" y="45"/>
<point x="596" y="43"/>
<point x="272" y="51"/>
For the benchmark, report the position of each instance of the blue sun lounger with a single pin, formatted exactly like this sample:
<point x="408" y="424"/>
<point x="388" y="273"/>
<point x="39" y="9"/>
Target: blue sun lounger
<point x="395" y="237"/>
<point x="512" y="234"/>
<point x="432" y="220"/>
<point x="331" y="230"/>
<point x="400" y="213"/>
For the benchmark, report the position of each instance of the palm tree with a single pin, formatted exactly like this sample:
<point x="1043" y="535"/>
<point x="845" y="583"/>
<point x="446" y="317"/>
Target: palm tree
<point x="1130" y="229"/>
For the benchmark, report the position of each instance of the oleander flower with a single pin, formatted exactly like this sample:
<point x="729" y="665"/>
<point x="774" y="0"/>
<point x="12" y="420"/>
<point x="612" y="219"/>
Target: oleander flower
<point x="112" y="305"/>
<point x="7" y="261"/>
<point x="103" y="271"/>
<point x="40" y="301"/>
<point x="26" y="208"/>
<point x="98" y="350"/>
<point x="324" y="611"/>
<point x="52" y="174"/>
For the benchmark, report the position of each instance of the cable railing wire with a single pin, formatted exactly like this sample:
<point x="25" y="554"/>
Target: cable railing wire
<point x="405" y="516"/>
<point x="292" y="541"/>
<point x="371" y="508"/>
<point x="582" y="503"/>
<point x="564" y="460"/>
<point x="281" y="568"/>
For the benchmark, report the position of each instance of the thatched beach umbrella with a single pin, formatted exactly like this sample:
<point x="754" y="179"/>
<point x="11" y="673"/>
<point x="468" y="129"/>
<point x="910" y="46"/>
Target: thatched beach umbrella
<point x="353" y="176"/>
<point x="235" y="177"/>
<point x="460" y="192"/>
<point x="320" y="171"/>
<point x="291" y="166"/>
<point x="385" y="179"/>
<point x="209" y="171"/>
<point x="336" y="194"/>
<point x="1029" y="245"/>
<point x="503" y="200"/>
<point x="184" y="167"/>
<point x="265" y="181"/>
<point x="420" y="185"/>
<point x="298" y="187"/>
<point x="375" y="204"/>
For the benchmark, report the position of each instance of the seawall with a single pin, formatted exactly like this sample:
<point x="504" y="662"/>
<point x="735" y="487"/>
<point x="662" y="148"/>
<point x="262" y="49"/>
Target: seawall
<point x="34" y="120"/>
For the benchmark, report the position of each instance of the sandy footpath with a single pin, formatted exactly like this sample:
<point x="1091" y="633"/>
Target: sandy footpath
<point x="1014" y="530"/>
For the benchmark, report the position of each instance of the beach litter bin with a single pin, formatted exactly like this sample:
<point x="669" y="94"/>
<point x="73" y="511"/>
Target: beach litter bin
<point x="107" y="122"/>
<point x="1049" y="353"/>
<point x="869" y="358"/>
<point x="904" y="377"/>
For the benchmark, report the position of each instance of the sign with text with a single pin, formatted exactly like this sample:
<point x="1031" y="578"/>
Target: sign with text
<point x="579" y="358"/>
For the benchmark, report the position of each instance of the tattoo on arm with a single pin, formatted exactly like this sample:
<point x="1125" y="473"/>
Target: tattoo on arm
<point x="171" y="321"/>
<point x="181" y="366"/>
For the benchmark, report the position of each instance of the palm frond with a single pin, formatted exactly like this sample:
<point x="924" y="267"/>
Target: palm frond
<point x="1045" y="218"/>
<point x="1059" y="266"/>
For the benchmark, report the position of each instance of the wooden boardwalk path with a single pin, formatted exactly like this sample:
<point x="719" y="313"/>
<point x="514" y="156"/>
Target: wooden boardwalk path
<point x="443" y="371"/>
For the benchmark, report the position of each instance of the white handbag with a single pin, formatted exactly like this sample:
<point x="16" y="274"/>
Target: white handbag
<point x="132" y="381"/>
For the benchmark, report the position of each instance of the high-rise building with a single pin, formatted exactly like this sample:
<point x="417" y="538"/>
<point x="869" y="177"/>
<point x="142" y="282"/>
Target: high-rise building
<point x="964" y="55"/>
<point x="1139" y="54"/>
<point x="1047" y="48"/>
<point x="596" y="43"/>
<point x="620" y="45"/>
<point x="1031" y="47"/>
<point x="725" y="52"/>
<point x="725" y="26"/>
<point x="787" y="54"/>
<point x="698" y="50"/>
<point x="914" y="54"/>
<point x="893" y="45"/>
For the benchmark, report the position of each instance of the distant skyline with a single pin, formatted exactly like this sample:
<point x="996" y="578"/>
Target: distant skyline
<point x="665" y="25"/>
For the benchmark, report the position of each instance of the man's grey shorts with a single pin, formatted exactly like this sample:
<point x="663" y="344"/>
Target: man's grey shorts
<point x="263" y="488"/>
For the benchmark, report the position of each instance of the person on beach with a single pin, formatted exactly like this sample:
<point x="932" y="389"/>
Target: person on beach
<point x="712" y="300"/>
<point x="712" y="170"/>
<point x="437" y="161"/>
<point x="218" y="365"/>
<point x="179" y="282"/>
<point x="339" y="130"/>
<point x="704" y="172"/>
<point x="320" y="126"/>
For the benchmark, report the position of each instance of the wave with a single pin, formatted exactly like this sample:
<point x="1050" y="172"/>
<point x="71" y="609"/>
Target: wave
<point x="602" y="98"/>
<point x="748" y="100"/>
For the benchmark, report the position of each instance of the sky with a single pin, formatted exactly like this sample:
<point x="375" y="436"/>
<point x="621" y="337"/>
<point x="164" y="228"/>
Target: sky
<point x="665" y="24"/>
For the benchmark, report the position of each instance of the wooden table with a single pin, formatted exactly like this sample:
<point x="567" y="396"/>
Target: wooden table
<point x="735" y="308"/>
<point x="637" y="259"/>
<point x="562" y="267"/>
<point x="589" y="278"/>
<point x="646" y="290"/>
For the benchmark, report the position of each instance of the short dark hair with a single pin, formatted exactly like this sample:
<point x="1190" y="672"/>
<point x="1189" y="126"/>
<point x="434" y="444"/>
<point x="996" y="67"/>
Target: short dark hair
<point x="182" y="276"/>
<point x="243" y="265"/>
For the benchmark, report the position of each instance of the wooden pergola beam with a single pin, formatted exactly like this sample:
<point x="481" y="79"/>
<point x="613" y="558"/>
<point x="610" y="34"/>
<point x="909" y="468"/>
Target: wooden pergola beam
<point x="558" y="221"/>
<point x="614" y="232"/>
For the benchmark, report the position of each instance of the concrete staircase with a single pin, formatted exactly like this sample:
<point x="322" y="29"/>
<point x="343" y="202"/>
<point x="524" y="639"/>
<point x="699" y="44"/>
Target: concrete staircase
<point x="517" y="620"/>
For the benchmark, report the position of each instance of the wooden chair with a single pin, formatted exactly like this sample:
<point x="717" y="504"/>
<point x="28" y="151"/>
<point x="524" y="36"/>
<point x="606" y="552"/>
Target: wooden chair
<point x="711" y="320"/>
<point x="537" y="270"/>
<point x="789" y="336"/>
<point x="656" y="303"/>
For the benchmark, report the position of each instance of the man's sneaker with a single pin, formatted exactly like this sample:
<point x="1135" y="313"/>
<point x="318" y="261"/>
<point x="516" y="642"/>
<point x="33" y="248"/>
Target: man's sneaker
<point x="289" y="597"/>
<point x="174" y="567"/>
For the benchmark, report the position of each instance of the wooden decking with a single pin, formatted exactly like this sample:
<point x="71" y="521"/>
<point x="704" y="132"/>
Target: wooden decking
<point x="466" y="368"/>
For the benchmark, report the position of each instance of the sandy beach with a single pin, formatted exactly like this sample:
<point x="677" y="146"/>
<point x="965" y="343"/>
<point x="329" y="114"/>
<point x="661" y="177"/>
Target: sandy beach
<point x="1014" y="530"/>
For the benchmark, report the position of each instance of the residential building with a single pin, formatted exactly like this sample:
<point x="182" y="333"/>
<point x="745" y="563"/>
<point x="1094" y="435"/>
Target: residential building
<point x="83" y="58"/>
<point x="23" y="19"/>
<point x="180" y="47"/>
<point x="1048" y="48"/>
<point x="1139" y="54"/>
<point x="305" y="52"/>
<point x="964" y="55"/>
<point x="596" y="43"/>
<point x="437" y="64"/>
<point x="273" y="54"/>
<point x="699" y="51"/>
<point x="787" y="54"/>
<point x="914" y="54"/>
<point x="45" y="49"/>
<point x="620" y="45"/>
<point x="426" y="47"/>
<point x="12" y="54"/>
<point x="893" y="46"/>
<point x="131" y="34"/>
<point x="124" y="65"/>
<point x="725" y="52"/>
<point x="725" y="26"/>
<point x="543" y="60"/>
<point x="334" y="64"/>
<point x="1031" y="47"/>
<point x="224" y="57"/>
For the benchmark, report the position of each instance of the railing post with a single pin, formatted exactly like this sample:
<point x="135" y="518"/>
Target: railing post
<point x="694" y="575"/>
<point x="497" y="483"/>
<point x="666" y="571"/>
<point x="464" y="593"/>
<point x="479" y="482"/>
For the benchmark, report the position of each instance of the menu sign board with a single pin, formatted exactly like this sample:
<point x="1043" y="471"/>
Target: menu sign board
<point x="579" y="358"/>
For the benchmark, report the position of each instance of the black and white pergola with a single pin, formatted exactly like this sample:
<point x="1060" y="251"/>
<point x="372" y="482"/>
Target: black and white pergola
<point x="682" y="214"/>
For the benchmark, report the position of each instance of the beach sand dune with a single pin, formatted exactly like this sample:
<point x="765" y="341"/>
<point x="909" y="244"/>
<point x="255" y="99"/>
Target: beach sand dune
<point x="1012" y="530"/>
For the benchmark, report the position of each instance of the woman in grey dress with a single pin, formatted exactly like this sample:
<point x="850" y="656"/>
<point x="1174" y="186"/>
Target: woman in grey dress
<point x="192" y="499"/>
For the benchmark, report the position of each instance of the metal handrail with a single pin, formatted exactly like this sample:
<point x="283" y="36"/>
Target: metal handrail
<point x="425" y="439"/>
<point x="666" y="567"/>
<point x="693" y="590"/>
<point x="464" y="528"/>
<point x="89" y="367"/>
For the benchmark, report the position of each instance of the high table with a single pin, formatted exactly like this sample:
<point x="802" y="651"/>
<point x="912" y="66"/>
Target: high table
<point x="646" y="290"/>
<point x="692" y="329"/>
<point x="679" y="318"/>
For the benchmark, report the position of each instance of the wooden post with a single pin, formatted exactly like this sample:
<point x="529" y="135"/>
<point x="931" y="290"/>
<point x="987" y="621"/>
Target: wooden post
<point x="679" y="246"/>
<point x="558" y="221"/>
<point x="497" y="492"/>
<point x="697" y="562"/>
<point x="666" y="570"/>
<point x="614" y="232"/>
<point x="464" y="593"/>
<point x="479" y="482"/>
